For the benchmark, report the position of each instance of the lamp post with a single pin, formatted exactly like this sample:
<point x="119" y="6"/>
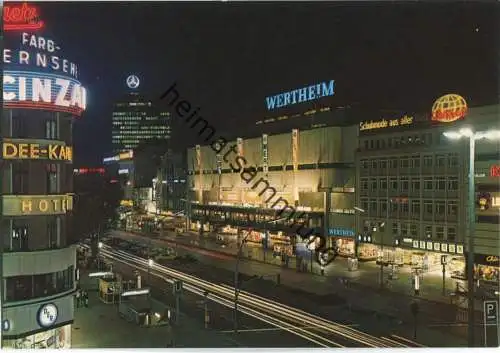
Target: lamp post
<point x="472" y="136"/>
<point x="99" y="247"/>
<point x="359" y="211"/>
<point x="236" y="282"/>
<point x="150" y="264"/>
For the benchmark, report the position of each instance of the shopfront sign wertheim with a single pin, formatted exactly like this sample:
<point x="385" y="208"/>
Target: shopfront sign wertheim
<point x="33" y="205"/>
<point x="341" y="232"/>
<point x="23" y="149"/>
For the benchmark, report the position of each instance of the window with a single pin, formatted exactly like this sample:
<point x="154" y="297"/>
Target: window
<point x="452" y="234"/>
<point x="405" y="184"/>
<point x="428" y="207"/>
<point x="440" y="208"/>
<point x="364" y="184"/>
<point x="441" y="184"/>
<point x="364" y="204"/>
<point x="366" y="145"/>
<point x="428" y="184"/>
<point x="51" y="130"/>
<point x="393" y="184"/>
<point x="428" y="161"/>
<point x="413" y="230"/>
<point x="383" y="184"/>
<point x="394" y="207"/>
<point x="20" y="184"/>
<point x="440" y="160"/>
<point x="395" y="228"/>
<point x="383" y="164"/>
<point x="20" y="237"/>
<point x="439" y="233"/>
<point x="453" y="160"/>
<point x="452" y="208"/>
<point x="374" y="164"/>
<point x="415" y="162"/>
<point x="393" y="163"/>
<point x="373" y="206"/>
<point x="404" y="163"/>
<point x="415" y="185"/>
<point x="52" y="233"/>
<point x="452" y="183"/>
<point x="19" y="126"/>
<point x="403" y="207"/>
<point x="51" y="179"/>
<point x="383" y="207"/>
<point x="415" y="207"/>
<point x="364" y="164"/>
<point x="404" y="229"/>
<point x="374" y="185"/>
<point x="428" y="232"/>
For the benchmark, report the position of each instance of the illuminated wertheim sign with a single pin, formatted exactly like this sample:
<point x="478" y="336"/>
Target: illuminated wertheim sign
<point x="300" y="95"/>
<point x="382" y="124"/>
<point x="33" y="205"/>
<point x="31" y="90"/>
<point x="449" y="108"/>
<point x="20" y="149"/>
<point x="21" y="17"/>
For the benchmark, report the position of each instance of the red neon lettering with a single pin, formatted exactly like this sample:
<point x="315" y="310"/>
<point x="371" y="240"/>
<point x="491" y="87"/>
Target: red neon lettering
<point x="448" y="115"/>
<point x="495" y="171"/>
<point x="22" y="17"/>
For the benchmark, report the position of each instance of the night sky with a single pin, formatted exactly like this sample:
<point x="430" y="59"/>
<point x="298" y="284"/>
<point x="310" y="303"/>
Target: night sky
<point x="227" y="57"/>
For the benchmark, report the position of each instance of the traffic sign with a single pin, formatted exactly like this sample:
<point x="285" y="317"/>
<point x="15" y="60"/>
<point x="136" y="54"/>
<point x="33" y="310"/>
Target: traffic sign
<point x="490" y="312"/>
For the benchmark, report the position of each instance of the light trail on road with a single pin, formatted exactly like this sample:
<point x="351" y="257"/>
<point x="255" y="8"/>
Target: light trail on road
<point x="319" y="330"/>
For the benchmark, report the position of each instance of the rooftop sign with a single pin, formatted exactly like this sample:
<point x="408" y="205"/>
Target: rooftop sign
<point x="449" y="108"/>
<point x="21" y="17"/>
<point x="300" y="95"/>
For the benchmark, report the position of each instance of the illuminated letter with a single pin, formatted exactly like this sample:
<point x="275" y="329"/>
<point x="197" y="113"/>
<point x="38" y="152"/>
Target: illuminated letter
<point x="43" y="205"/>
<point x="52" y="153"/>
<point x="34" y="151"/>
<point x="26" y="206"/>
<point x="271" y="102"/>
<point x="56" y="204"/>
<point x="62" y="153"/>
<point x="9" y="150"/>
<point x="23" y="150"/>
<point x="62" y="92"/>
<point x="302" y="95"/>
<point x="311" y="92"/>
<point x="8" y="80"/>
<point x="328" y="90"/>
<point x="22" y="88"/>
<point x="76" y="96"/>
<point x="69" y="153"/>
<point x="41" y="90"/>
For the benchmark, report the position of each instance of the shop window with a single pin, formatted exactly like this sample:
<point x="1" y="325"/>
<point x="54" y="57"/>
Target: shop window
<point x="415" y="185"/>
<point x="428" y="232"/>
<point x="405" y="184"/>
<point x="452" y="208"/>
<point x="428" y="161"/>
<point x="415" y="162"/>
<point x="428" y="207"/>
<point x="453" y="160"/>
<point x="452" y="183"/>
<point x="440" y="207"/>
<point x="415" y="207"/>
<point x="393" y="163"/>
<point x="451" y="234"/>
<point x="404" y="229"/>
<point x="439" y="233"/>
<point x="394" y="184"/>
<point x="428" y="184"/>
<point x="383" y="184"/>
<point x="395" y="228"/>
<point x="441" y="184"/>
<point x="413" y="231"/>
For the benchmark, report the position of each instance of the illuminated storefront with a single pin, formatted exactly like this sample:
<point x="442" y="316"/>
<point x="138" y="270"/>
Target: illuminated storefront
<point x="42" y="96"/>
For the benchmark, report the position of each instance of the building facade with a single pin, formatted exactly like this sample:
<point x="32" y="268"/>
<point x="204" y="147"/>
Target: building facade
<point x="412" y="190"/>
<point x="309" y="169"/>
<point x="38" y="267"/>
<point x="136" y="120"/>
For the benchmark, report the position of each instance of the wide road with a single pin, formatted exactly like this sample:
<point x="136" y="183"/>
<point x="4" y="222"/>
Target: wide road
<point x="312" y="328"/>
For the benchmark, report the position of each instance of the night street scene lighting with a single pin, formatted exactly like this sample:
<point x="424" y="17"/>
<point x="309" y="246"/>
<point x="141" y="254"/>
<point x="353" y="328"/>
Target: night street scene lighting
<point x="258" y="175"/>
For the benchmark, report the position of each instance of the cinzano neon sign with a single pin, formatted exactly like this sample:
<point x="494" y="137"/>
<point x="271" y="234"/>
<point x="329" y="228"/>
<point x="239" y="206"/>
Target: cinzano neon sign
<point x="32" y="90"/>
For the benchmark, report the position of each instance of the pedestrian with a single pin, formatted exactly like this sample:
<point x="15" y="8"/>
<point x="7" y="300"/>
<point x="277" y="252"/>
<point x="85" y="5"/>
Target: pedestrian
<point x="78" y="297"/>
<point x="86" y="299"/>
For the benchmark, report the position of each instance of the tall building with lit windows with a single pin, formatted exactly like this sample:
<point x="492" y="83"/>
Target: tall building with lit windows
<point x="136" y="120"/>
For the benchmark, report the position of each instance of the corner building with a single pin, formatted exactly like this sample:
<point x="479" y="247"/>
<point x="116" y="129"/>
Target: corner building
<point x="413" y="188"/>
<point x="38" y="268"/>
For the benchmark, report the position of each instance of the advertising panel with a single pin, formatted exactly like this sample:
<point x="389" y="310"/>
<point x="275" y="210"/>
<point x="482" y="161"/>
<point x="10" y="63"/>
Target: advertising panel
<point x="36" y="149"/>
<point x="21" y="17"/>
<point x="36" y="205"/>
<point x="265" y="162"/>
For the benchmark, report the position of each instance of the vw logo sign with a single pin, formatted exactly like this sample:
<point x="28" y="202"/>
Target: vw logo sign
<point x="47" y="315"/>
<point x="133" y="81"/>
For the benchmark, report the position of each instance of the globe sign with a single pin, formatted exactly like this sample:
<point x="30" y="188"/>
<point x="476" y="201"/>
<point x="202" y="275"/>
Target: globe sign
<point x="133" y="81"/>
<point x="449" y="108"/>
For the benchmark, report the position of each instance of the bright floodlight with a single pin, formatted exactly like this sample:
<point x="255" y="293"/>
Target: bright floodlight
<point x="492" y="134"/>
<point x="100" y="244"/>
<point x="466" y="132"/>
<point x="452" y="135"/>
<point x="359" y="209"/>
<point x="134" y="292"/>
<point x="150" y="262"/>
<point x="101" y="274"/>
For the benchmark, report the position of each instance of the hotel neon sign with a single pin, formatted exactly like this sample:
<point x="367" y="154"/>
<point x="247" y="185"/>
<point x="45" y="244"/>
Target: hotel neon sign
<point x="20" y="149"/>
<point x="382" y="124"/>
<point x="36" y="205"/>
<point x="21" y="17"/>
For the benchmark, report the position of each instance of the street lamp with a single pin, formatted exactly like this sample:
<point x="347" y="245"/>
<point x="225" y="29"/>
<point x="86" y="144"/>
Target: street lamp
<point x="236" y="284"/>
<point x="468" y="133"/>
<point x="150" y="264"/>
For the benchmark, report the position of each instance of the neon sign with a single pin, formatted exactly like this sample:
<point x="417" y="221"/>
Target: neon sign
<point x="32" y="90"/>
<point x="449" y="108"/>
<point x="15" y="205"/>
<point x="20" y="150"/>
<point x="24" y="17"/>
<point x="382" y="124"/>
<point x="309" y="93"/>
<point x="495" y="171"/>
<point x="133" y="81"/>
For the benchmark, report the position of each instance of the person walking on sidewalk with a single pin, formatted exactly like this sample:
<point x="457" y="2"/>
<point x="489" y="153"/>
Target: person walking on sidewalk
<point x="86" y="299"/>
<point x="78" y="297"/>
